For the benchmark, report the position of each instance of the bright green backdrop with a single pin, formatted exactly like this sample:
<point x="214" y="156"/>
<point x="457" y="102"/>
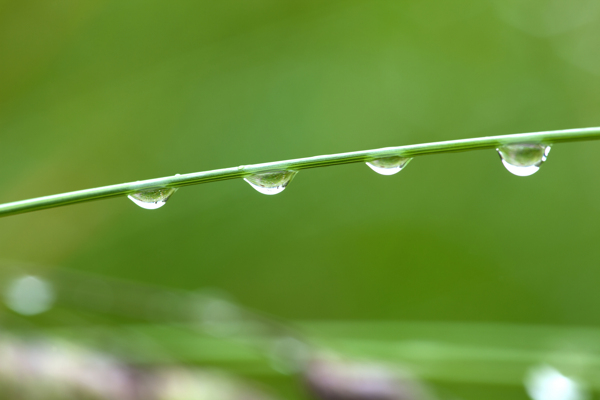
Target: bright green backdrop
<point x="102" y="92"/>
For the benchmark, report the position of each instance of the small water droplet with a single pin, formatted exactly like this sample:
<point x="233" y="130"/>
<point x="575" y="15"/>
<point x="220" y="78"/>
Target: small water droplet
<point x="388" y="165"/>
<point x="271" y="182"/>
<point x="523" y="159"/>
<point x="153" y="198"/>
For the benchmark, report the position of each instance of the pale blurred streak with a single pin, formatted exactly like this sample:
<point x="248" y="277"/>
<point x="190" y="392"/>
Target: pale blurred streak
<point x="331" y="378"/>
<point x="548" y="17"/>
<point x="52" y="370"/>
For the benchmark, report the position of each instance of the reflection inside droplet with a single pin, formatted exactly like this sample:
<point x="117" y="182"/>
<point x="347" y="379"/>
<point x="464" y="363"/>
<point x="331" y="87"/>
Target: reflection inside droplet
<point x="153" y="198"/>
<point x="388" y="165"/>
<point x="523" y="159"/>
<point x="29" y="295"/>
<point x="546" y="383"/>
<point x="271" y="182"/>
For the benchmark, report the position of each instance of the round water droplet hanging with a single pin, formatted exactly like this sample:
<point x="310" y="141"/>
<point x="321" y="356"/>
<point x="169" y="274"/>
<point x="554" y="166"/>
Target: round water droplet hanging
<point x="523" y="159"/>
<point x="153" y="198"/>
<point x="388" y="165"/>
<point x="271" y="182"/>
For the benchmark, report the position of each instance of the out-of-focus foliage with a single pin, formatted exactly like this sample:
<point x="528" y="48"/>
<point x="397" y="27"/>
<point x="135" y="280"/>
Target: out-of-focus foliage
<point x="54" y="370"/>
<point x="102" y="92"/>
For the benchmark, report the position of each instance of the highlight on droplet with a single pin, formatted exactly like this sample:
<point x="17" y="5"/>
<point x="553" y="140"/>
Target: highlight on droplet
<point x="523" y="159"/>
<point x="388" y="165"/>
<point x="271" y="182"/>
<point x="153" y="198"/>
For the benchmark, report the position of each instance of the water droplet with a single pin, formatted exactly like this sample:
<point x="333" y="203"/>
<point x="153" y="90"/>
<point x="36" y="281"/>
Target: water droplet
<point x="29" y="295"/>
<point x="153" y="198"/>
<point x="271" y="182"/>
<point x="388" y="165"/>
<point x="523" y="159"/>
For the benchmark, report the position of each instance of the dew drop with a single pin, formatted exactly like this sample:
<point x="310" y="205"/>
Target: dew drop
<point x="271" y="182"/>
<point x="388" y="165"/>
<point x="152" y="199"/>
<point x="523" y="159"/>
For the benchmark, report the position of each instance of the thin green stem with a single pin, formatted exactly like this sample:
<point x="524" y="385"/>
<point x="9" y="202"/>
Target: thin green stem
<point x="487" y="142"/>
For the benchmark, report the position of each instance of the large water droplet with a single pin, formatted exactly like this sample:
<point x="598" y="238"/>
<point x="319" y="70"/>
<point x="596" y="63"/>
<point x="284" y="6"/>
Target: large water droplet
<point x="271" y="182"/>
<point x="523" y="159"/>
<point x="153" y="198"/>
<point x="388" y="165"/>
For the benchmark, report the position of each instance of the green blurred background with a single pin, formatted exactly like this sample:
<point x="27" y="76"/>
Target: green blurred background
<point x="102" y="92"/>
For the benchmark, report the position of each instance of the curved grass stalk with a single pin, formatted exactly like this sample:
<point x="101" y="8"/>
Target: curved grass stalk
<point x="487" y="142"/>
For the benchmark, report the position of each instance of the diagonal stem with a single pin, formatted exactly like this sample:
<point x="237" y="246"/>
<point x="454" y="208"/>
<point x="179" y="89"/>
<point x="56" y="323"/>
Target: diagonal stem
<point x="487" y="142"/>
